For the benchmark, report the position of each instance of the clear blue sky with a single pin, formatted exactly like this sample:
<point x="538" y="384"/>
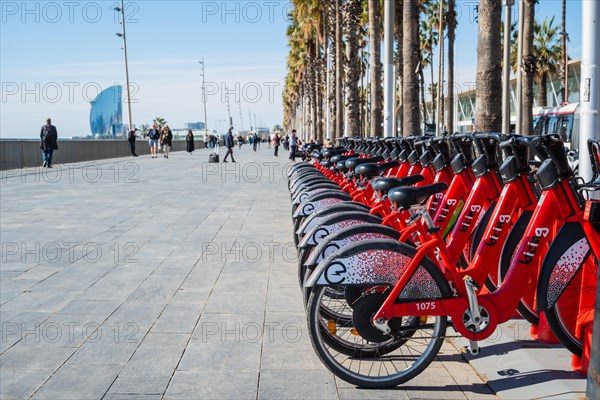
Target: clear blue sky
<point x="56" y="55"/>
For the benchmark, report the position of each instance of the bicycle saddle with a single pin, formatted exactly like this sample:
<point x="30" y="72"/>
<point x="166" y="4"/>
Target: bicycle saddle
<point x="352" y="163"/>
<point x="371" y="170"/>
<point x="384" y="185"/>
<point x="408" y="196"/>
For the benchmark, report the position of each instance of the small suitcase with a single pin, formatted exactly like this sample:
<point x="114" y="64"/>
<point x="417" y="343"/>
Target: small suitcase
<point x="213" y="158"/>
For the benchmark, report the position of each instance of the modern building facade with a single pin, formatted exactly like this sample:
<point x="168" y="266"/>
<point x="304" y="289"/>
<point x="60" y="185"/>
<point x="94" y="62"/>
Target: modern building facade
<point x="194" y="125"/>
<point x="465" y="100"/>
<point x="106" y="115"/>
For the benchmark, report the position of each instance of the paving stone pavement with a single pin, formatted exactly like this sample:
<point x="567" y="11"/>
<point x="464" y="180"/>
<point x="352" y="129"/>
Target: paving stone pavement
<point x="140" y="278"/>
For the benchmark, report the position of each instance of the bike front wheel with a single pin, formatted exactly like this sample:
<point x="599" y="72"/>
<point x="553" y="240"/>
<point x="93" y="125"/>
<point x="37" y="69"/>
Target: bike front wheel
<point x="377" y="364"/>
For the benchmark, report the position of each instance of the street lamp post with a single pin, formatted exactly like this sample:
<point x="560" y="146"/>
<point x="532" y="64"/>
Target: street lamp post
<point x="122" y="35"/>
<point x="228" y="107"/>
<point x="204" y="96"/>
<point x="506" y="68"/>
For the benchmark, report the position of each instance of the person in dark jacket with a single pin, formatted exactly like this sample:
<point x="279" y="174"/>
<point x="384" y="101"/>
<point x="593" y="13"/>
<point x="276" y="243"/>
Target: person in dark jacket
<point x="131" y="136"/>
<point x="229" y="144"/>
<point x="189" y="141"/>
<point x="166" y="141"/>
<point x="48" y="142"/>
<point x="276" y="143"/>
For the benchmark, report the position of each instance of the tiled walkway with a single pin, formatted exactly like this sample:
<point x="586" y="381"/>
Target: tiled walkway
<point x="153" y="278"/>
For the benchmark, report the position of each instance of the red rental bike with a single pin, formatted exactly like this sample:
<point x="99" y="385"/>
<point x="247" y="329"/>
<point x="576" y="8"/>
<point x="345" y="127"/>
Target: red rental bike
<point x="408" y="284"/>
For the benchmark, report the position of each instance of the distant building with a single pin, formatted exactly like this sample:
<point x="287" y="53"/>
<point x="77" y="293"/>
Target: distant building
<point x="194" y="125"/>
<point x="464" y="108"/>
<point x="106" y="115"/>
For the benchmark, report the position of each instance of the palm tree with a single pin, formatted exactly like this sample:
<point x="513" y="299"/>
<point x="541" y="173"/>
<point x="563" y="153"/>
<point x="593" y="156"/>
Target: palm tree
<point x="399" y="60"/>
<point x="451" y="23"/>
<point x="144" y="128"/>
<point x="488" y="115"/>
<point x="160" y="122"/>
<point x="351" y="12"/>
<point x="375" y="61"/>
<point x="429" y="39"/>
<point x="331" y="42"/>
<point x="339" y="71"/>
<point x="528" y="69"/>
<point x="565" y="57"/>
<point x="411" y="121"/>
<point x="547" y="53"/>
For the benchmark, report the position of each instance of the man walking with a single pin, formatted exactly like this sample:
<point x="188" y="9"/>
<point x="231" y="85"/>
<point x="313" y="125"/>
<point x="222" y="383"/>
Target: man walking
<point x="49" y="142"/>
<point x="153" y="136"/>
<point x="229" y="144"/>
<point x="131" y="136"/>
<point x="276" y="143"/>
<point x="293" y="145"/>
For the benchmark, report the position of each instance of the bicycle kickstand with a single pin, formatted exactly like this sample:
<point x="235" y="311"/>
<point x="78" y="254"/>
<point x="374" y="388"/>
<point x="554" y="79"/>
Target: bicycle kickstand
<point x="472" y="319"/>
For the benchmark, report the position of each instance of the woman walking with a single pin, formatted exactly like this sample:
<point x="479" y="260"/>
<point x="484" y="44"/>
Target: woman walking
<point x="165" y="141"/>
<point x="189" y="141"/>
<point x="276" y="143"/>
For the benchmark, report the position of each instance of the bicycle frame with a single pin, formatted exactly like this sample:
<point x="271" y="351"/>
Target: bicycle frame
<point x="556" y="204"/>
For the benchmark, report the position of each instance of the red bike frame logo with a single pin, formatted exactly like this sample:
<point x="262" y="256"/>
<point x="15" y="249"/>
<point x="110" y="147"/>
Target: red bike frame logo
<point x="446" y="210"/>
<point x="533" y="245"/>
<point x="469" y="218"/>
<point x="497" y="230"/>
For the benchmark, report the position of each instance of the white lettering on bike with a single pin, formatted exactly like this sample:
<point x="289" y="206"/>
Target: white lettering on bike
<point x="426" y="306"/>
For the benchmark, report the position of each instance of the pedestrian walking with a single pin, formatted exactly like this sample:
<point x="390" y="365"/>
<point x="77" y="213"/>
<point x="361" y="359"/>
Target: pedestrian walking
<point x="153" y="137"/>
<point x="294" y="142"/>
<point x="240" y="141"/>
<point x="166" y="141"/>
<point x="131" y="136"/>
<point x="254" y="141"/>
<point x="286" y="143"/>
<point x="229" y="144"/>
<point x="48" y="142"/>
<point x="276" y="143"/>
<point x="189" y="142"/>
<point x="269" y="142"/>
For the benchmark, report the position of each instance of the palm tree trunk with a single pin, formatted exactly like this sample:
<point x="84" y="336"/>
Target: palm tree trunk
<point x="422" y="93"/>
<point x="411" y="121"/>
<point x="352" y="10"/>
<point x="332" y="68"/>
<point x="321" y="71"/>
<point x="528" y="69"/>
<point x="451" y="21"/>
<point x="339" y="72"/>
<point x="376" y="85"/>
<point x="488" y="92"/>
<point x="565" y="57"/>
<point x="542" y="92"/>
<point x="399" y="64"/>
<point x="433" y="92"/>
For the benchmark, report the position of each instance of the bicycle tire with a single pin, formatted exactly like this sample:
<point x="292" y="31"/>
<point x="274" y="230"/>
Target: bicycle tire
<point x="561" y="318"/>
<point x="433" y="341"/>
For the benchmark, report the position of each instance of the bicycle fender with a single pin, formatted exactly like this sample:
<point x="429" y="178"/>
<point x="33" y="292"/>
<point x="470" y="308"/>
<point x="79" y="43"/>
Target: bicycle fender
<point x="349" y="235"/>
<point x="306" y="182"/>
<point x="375" y="262"/>
<point x="324" y="215"/>
<point x="310" y="221"/>
<point x="333" y="223"/>
<point x="300" y="197"/>
<point x="567" y="253"/>
<point x="318" y="201"/>
<point x="295" y="167"/>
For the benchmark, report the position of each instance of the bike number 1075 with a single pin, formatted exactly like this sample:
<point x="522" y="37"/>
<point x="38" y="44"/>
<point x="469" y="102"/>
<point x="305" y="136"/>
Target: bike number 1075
<point x="426" y="306"/>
